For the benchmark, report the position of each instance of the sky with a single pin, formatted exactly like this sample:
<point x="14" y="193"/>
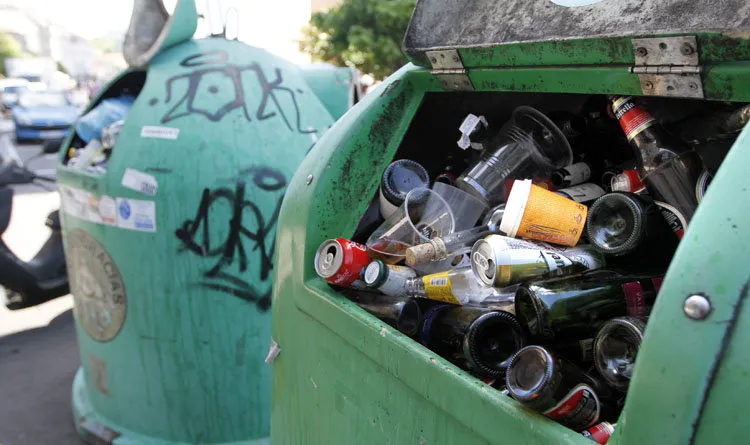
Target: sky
<point x="87" y="18"/>
<point x="270" y="24"/>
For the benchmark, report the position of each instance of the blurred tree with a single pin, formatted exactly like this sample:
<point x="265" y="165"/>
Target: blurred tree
<point x="9" y="47"/>
<point x="365" y="34"/>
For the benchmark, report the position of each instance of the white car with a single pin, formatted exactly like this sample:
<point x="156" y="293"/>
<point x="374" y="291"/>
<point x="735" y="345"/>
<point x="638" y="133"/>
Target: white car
<point x="9" y="92"/>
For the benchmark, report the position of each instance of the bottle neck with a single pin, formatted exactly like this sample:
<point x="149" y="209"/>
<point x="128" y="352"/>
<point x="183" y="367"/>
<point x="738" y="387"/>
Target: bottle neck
<point x="633" y="119"/>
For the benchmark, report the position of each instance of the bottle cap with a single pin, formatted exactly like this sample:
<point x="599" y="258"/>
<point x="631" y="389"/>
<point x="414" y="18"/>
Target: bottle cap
<point x="375" y="273"/>
<point x="399" y="178"/>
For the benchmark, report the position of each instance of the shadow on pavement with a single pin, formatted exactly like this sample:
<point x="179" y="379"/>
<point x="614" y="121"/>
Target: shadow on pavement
<point x="37" y="367"/>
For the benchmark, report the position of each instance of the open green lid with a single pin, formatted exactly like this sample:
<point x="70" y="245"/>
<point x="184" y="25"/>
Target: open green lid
<point x="487" y="24"/>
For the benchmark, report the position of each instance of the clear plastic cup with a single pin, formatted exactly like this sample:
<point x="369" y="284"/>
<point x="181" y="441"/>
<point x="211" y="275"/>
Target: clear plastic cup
<point x="466" y="207"/>
<point x="423" y="215"/>
<point x="529" y="145"/>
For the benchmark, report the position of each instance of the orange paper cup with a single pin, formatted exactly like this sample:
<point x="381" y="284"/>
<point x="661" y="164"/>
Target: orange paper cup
<point x="536" y="213"/>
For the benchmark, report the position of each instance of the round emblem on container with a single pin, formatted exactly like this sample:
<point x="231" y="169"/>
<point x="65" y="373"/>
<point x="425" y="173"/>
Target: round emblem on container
<point x="97" y="287"/>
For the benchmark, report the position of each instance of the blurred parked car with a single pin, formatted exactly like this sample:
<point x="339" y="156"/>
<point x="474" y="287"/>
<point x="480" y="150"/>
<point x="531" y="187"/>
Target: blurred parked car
<point x="9" y="92"/>
<point x="43" y="115"/>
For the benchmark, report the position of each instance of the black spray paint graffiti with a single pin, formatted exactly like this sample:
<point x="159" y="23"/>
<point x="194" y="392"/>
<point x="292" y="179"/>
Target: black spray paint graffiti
<point x="195" y="235"/>
<point x="203" y="95"/>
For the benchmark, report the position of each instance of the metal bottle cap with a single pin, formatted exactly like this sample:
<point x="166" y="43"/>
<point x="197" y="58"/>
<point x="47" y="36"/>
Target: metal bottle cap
<point x="401" y="177"/>
<point x="329" y="258"/>
<point x="375" y="273"/>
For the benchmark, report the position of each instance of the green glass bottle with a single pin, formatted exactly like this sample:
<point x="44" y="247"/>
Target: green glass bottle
<point x="479" y="340"/>
<point x="575" y="307"/>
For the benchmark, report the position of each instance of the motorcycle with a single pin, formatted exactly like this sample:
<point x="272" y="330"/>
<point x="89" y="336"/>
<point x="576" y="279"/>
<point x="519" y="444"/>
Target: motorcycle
<point x="45" y="276"/>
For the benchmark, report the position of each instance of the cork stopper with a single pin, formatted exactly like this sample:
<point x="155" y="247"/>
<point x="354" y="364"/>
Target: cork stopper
<point x="432" y="250"/>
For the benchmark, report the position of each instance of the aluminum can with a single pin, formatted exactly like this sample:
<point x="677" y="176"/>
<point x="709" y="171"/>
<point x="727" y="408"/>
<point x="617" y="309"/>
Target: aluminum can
<point x="340" y="261"/>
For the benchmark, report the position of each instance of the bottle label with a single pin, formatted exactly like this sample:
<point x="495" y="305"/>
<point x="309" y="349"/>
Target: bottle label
<point x="438" y="287"/>
<point x="577" y="173"/>
<point x="579" y="409"/>
<point x="674" y="218"/>
<point x="635" y="301"/>
<point x="556" y="261"/>
<point x="633" y="119"/>
<point x="585" y="256"/>
<point x="583" y="192"/>
<point x="599" y="433"/>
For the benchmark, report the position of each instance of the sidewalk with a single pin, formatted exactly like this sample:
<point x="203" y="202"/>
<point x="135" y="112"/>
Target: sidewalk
<point x="38" y="350"/>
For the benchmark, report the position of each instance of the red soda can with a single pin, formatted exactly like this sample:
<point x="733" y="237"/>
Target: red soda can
<point x="340" y="261"/>
<point x="599" y="433"/>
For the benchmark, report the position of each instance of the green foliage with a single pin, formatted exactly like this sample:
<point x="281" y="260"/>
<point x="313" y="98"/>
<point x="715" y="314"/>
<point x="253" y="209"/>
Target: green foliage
<point x="365" y="34"/>
<point x="9" y="47"/>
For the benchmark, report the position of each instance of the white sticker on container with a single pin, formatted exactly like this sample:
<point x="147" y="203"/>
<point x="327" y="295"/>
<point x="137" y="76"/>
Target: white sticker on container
<point x="75" y="202"/>
<point x="160" y="132"/>
<point x="136" y="214"/>
<point x="108" y="210"/>
<point x="139" y="181"/>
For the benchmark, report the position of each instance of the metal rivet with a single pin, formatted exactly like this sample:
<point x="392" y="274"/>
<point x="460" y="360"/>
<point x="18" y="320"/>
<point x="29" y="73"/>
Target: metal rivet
<point x="641" y="51"/>
<point x="697" y="307"/>
<point x="455" y="59"/>
<point x="309" y="179"/>
<point x="433" y="60"/>
<point x="649" y="85"/>
<point x="466" y="83"/>
<point x="670" y="88"/>
<point x="693" y="86"/>
<point x="687" y="49"/>
<point x="442" y="56"/>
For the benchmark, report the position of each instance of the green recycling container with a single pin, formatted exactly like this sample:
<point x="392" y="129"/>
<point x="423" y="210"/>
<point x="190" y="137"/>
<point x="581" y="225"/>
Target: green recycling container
<point x="170" y="245"/>
<point x="344" y="377"/>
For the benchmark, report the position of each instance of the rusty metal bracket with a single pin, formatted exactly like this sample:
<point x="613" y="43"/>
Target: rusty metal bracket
<point x="449" y="69"/>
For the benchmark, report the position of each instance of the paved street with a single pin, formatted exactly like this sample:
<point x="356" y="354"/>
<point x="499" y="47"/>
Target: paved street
<point x="38" y="352"/>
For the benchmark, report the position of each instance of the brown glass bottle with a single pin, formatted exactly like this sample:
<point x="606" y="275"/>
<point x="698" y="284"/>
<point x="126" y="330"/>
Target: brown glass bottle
<point x="553" y="386"/>
<point x="667" y="165"/>
<point x="479" y="340"/>
<point x="575" y="307"/>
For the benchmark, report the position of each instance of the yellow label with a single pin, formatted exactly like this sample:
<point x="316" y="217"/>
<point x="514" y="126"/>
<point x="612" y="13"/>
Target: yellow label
<point x="438" y="287"/>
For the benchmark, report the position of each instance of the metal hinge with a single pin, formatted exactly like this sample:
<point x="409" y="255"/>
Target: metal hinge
<point x="449" y="69"/>
<point x="668" y="66"/>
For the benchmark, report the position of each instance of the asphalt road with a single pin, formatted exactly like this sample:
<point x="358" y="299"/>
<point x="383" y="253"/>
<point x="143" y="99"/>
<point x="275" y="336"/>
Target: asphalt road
<point x="38" y="350"/>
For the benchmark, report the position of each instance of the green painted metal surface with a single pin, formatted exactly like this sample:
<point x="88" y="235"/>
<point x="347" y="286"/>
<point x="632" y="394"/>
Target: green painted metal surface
<point x="172" y="308"/>
<point x="345" y="377"/>
<point x="337" y="88"/>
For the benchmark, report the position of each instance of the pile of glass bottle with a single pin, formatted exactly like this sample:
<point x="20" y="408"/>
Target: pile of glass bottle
<point x="524" y="269"/>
